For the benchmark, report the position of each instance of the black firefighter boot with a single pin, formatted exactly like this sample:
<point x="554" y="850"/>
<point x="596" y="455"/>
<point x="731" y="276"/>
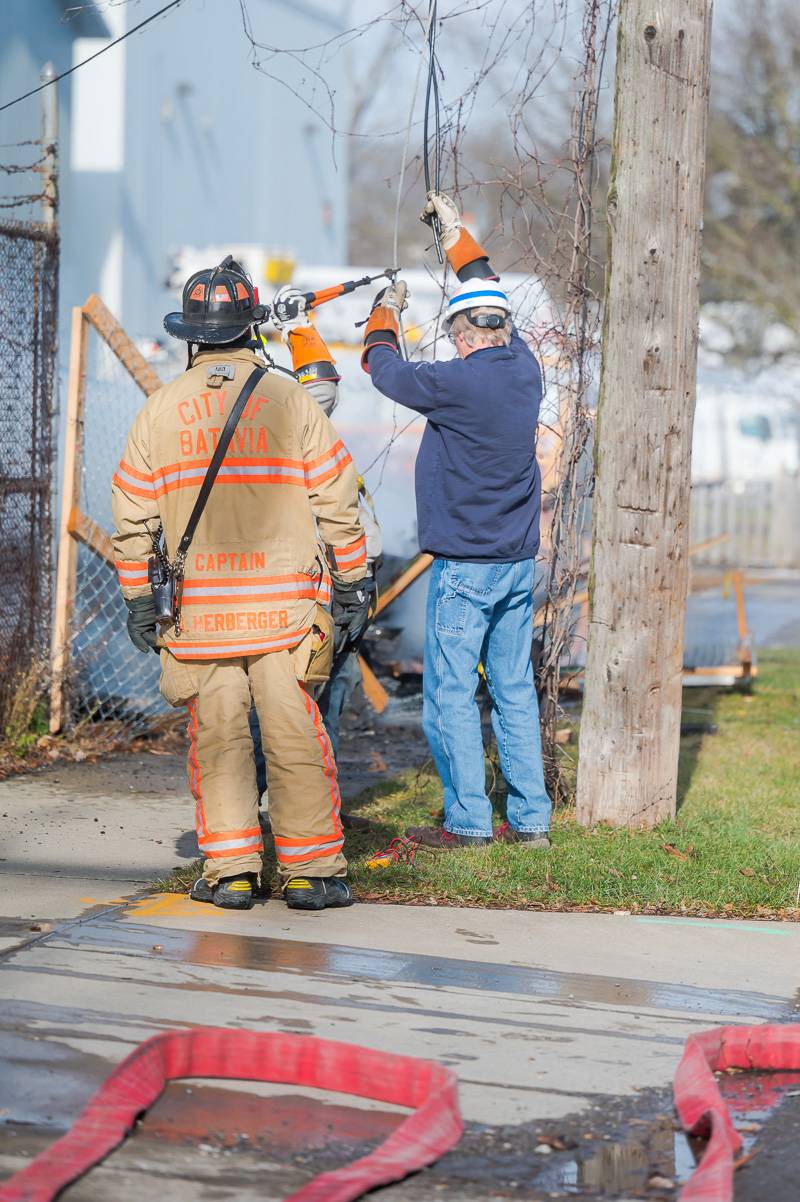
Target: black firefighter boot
<point x="317" y="893"/>
<point x="232" y="893"/>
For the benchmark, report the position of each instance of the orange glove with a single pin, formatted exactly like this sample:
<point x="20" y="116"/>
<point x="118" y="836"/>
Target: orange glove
<point x="382" y="329"/>
<point x="311" y="359"/>
<point x="466" y="256"/>
<point x="467" y="253"/>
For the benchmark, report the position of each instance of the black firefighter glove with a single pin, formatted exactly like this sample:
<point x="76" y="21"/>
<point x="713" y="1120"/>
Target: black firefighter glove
<point x="350" y="612"/>
<point x="142" y="625"/>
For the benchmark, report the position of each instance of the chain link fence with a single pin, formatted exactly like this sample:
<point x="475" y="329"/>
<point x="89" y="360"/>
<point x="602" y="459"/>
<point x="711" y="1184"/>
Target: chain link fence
<point x="28" y="325"/>
<point x="105" y="680"/>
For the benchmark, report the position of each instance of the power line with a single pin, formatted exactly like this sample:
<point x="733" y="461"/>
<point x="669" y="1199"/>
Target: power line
<point x="110" y="46"/>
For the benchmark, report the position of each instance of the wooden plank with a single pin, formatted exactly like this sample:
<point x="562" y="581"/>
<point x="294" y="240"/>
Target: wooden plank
<point x="66" y="570"/>
<point x="630" y="728"/>
<point x="91" y="535"/>
<point x="406" y="578"/>
<point x="721" y="670"/>
<point x="741" y="616"/>
<point x="376" y="693"/>
<point x="707" y="543"/>
<point x="123" y="347"/>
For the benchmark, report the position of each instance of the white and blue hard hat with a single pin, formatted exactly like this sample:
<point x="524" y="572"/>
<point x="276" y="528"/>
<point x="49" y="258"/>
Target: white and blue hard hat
<point x="475" y="294"/>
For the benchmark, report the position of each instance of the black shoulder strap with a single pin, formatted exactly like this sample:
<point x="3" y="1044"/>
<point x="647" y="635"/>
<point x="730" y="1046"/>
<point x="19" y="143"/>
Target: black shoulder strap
<point x="216" y="461"/>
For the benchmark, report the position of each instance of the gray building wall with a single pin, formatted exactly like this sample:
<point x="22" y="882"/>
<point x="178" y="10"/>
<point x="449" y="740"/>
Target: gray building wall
<point x="204" y="148"/>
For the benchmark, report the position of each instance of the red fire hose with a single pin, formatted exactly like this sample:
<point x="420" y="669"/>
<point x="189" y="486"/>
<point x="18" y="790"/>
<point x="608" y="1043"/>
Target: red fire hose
<point x="428" y="1088"/>
<point x="700" y="1104"/>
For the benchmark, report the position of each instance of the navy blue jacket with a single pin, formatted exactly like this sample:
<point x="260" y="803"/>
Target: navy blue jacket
<point x="478" y="483"/>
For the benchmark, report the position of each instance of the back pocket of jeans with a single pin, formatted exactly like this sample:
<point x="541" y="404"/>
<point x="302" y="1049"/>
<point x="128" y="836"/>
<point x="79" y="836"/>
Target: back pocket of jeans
<point x="475" y="579"/>
<point x="451" y="612"/>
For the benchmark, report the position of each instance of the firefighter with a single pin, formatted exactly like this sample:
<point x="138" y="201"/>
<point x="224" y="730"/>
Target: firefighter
<point x="478" y="507"/>
<point x="254" y="622"/>
<point x="314" y="366"/>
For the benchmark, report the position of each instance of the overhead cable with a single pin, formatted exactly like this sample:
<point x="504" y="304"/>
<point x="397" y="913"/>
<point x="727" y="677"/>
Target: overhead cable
<point x="48" y="82"/>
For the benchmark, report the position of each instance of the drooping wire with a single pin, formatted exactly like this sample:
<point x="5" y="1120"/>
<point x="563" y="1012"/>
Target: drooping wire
<point x="432" y="91"/>
<point x="432" y="88"/>
<point x="49" y="82"/>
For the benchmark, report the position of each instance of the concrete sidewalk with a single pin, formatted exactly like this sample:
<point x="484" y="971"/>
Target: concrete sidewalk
<point x="563" y="1026"/>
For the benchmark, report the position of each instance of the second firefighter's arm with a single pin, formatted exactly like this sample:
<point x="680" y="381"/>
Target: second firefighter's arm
<point x="333" y="492"/>
<point x="314" y="366"/>
<point x="135" y="510"/>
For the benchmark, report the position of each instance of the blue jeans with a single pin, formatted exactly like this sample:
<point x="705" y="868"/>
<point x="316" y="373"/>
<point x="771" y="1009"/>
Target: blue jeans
<point x="483" y="613"/>
<point x="345" y="675"/>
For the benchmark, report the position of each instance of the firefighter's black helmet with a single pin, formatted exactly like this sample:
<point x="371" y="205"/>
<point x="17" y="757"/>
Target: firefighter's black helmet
<point x="219" y="305"/>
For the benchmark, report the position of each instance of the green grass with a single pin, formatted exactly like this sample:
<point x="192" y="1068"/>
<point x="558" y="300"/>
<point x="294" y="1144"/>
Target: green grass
<point x="734" y="848"/>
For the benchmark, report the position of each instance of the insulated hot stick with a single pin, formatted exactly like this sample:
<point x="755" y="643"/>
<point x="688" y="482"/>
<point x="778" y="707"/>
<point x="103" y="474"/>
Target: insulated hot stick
<point x="391" y="274"/>
<point x="315" y="299"/>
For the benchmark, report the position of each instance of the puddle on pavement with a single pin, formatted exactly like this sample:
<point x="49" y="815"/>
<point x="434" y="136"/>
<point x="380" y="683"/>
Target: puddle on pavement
<point x="752" y="1097"/>
<point x="285" y="1122"/>
<point x="623" y="1165"/>
<point x="629" y="1161"/>
<point x="223" y="949"/>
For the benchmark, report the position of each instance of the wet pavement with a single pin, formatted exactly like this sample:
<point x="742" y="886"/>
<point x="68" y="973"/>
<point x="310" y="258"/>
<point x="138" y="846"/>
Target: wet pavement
<point x="564" y="1029"/>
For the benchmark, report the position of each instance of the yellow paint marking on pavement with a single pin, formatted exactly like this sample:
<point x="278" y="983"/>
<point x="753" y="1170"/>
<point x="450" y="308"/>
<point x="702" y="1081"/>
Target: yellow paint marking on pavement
<point x="169" y="905"/>
<point x="102" y="901"/>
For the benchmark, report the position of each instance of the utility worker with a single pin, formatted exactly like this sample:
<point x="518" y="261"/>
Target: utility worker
<point x="315" y="368"/>
<point x="254" y="622"/>
<point x="478" y="492"/>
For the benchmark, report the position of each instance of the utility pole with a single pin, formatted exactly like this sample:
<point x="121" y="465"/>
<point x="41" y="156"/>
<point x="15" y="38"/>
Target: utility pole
<point x="630" y="728"/>
<point x="49" y="167"/>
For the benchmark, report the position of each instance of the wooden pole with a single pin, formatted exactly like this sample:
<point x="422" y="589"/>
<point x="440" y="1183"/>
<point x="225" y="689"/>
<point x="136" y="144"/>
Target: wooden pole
<point x="630" y="728"/>
<point x="49" y="165"/>
<point x="66" y="573"/>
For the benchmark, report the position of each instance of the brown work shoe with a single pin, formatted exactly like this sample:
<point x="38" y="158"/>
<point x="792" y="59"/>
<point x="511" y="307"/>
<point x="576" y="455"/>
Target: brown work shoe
<point x="438" y="837"/>
<point x="534" y="840"/>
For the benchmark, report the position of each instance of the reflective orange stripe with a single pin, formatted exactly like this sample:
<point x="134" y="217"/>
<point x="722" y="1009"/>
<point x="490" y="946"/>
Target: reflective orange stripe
<point x="329" y="475"/>
<point x="131" y="574"/>
<point x="234" y="851"/>
<point x="333" y="850"/>
<point x="194" y="772"/>
<point x="132" y="471"/>
<point x="331" y="454"/>
<point x="133" y="489"/>
<point x="249" y="590"/>
<point x="223" y="648"/>
<point x="352" y="556"/>
<point x="285" y="841"/>
<point x="235" y="461"/>
<point x="161" y="490"/>
<point x="328" y="761"/>
<point x="237" y="600"/>
<point x="214" y="581"/>
<point x="248" y="834"/>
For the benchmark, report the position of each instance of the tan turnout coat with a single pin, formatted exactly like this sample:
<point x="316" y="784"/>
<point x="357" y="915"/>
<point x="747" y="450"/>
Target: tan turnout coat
<point x="256" y="570"/>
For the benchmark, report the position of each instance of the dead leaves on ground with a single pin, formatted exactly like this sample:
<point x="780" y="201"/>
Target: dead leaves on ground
<point x="672" y="850"/>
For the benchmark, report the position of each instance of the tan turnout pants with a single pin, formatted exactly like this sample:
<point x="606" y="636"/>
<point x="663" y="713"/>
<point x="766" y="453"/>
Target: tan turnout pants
<point x="303" y="790"/>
